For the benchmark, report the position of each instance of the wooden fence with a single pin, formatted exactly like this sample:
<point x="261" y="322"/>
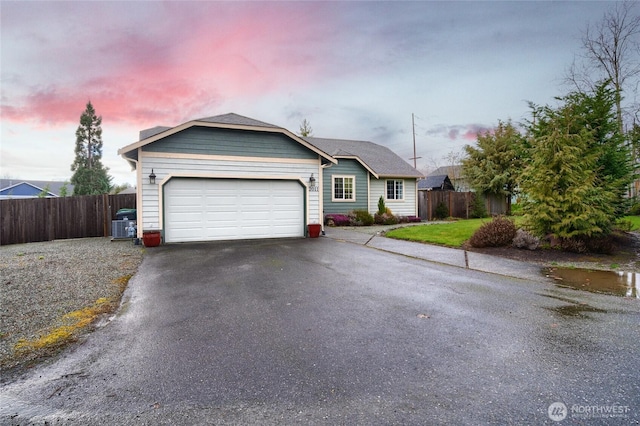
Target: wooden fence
<point x="45" y="219"/>
<point x="460" y="204"/>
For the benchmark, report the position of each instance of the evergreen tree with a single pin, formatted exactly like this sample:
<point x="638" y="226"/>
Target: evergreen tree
<point x="90" y="176"/>
<point x="596" y="113"/>
<point x="494" y="165"/>
<point x="305" y="128"/>
<point x="571" y="184"/>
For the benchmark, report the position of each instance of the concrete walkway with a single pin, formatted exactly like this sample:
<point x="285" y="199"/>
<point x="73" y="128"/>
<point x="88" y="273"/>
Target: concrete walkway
<point x="372" y="236"/>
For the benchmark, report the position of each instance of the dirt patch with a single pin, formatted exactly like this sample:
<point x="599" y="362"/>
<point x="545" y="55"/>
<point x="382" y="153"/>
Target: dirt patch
<point x="625" y="256"/>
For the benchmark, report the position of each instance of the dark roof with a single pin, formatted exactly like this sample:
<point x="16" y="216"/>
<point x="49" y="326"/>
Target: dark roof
<point x="380" y="159"/>
<point x="435" y="182"/>
<point x="147" y="133"/>
<point x="238" y="120"/>
<point x="231" y="118"/>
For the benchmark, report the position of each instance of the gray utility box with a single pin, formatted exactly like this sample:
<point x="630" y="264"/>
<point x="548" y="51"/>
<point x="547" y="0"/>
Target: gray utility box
<point x="123" y="228"/>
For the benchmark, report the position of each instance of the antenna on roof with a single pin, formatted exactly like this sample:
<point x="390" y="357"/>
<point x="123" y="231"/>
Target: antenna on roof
<point x="413" y="126"/>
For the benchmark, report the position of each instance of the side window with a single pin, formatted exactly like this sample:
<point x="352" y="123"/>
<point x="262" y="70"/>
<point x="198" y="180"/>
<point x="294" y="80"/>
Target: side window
<point x="395" y="189"/>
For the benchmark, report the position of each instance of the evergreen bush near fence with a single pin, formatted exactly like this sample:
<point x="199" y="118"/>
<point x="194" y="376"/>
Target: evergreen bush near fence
<point x="442" y="211"/>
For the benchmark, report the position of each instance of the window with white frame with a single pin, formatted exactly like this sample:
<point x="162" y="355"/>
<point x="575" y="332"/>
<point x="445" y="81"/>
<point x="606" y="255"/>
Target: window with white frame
<point x="344" y="188"/>
<point x="395" y="189"/>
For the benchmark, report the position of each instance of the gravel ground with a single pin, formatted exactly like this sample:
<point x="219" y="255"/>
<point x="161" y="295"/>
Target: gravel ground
<point x="40" y="283"/>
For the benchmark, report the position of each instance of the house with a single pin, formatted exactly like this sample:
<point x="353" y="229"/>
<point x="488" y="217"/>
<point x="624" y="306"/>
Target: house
<point x="16" y="188"/>
<point x="435" y="183"/>
<point x="232" y="177"/>
<point x="366" y="171"/>
<point x="454" y="172"/>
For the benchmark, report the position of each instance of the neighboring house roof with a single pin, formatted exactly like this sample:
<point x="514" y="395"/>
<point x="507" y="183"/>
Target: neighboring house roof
<point x="377" y="159"/>
<point x="439" y="182"/>
<point x="225" y="121"/>
<point x="16" y="188"/>
<point x="454" y="171"/>
<point x="455" y="174"/>
<point x="129" y="190"/>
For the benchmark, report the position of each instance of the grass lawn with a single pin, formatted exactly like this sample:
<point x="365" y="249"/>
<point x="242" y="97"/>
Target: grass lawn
<point x="635" y="220"/>
<point x="451" y="234"/>
<point x="454" y="234"/>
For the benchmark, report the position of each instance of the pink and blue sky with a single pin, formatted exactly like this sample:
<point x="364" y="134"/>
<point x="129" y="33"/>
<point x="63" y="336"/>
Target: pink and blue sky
<point x="354" y="70"/>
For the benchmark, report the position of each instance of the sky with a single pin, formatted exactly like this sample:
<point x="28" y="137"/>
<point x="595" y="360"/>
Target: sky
<point x="354" y="70"/>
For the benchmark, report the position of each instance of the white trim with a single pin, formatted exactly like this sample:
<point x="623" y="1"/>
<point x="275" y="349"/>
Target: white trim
<point x="168" y="177"/>
<point x="353" y="189"/>
<point x="238" y="158"/>
<point x="386" y="193"/>
<point x="362" y="163"/>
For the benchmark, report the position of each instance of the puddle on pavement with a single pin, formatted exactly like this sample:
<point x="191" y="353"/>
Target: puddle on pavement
<point x="576" y="310"/>
<point x="618" y="283"/>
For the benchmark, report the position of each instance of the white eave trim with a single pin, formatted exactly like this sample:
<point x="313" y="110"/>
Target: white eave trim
<point x="355" y="157"/>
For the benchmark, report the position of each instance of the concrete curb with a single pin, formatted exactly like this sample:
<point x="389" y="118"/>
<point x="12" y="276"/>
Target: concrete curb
<point x="444" y="255"/>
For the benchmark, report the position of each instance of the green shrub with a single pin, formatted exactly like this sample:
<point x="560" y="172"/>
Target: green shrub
<point x="624" y="225"/>
<point x="634" y="210"/>
<point x="478" y="209"/>
<point x="382" y="209"/>
<point x="516" y="209"/>
<point x="361" y="218"/>
<point x="442" y="211"/>
<point x="385" y="219"/>
<point x="497" y="233"/>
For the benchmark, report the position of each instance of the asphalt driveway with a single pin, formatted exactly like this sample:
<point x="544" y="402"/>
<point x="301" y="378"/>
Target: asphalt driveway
<point x="325" y="331"/>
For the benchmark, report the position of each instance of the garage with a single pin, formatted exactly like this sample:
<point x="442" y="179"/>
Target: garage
<point x="197" y="209"/>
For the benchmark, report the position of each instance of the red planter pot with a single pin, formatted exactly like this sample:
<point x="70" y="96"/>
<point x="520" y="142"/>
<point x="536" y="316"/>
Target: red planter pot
<point x="314" y="230"/>
<point x="151" y="238"/>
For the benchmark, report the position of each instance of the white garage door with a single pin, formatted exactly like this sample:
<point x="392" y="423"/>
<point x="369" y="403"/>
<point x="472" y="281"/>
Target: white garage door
<point x="232" y="209"/>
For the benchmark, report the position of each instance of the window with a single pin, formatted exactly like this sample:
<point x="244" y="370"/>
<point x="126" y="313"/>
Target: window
<point x="344" y="188"/>
<point x="395" y="189"/>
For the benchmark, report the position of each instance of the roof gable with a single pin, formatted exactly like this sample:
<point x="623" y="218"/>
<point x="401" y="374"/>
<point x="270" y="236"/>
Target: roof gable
<point x="225" y="121"/>
<point x="378" y="159"/>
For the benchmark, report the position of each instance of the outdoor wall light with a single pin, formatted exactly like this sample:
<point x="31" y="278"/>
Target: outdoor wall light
<point x="312" y="180"/>
<point x="152" y="178"/>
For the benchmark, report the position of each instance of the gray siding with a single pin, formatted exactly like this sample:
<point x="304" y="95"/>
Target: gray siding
<point x="230" y="142"/>
<point x="346" y="167"/>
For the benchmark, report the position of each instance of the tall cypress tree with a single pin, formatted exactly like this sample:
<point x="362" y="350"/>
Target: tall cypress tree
<point x="90" y="176"/>
<point x="578" y="169"/>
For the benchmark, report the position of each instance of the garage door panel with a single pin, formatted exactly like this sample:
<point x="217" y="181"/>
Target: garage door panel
<point x="224" y="209"/>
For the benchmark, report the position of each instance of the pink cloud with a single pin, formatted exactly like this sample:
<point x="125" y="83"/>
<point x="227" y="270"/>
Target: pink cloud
<point x="153" y="72"/>
<point x="473" y="130"/>
<point x="467" y="132"/>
